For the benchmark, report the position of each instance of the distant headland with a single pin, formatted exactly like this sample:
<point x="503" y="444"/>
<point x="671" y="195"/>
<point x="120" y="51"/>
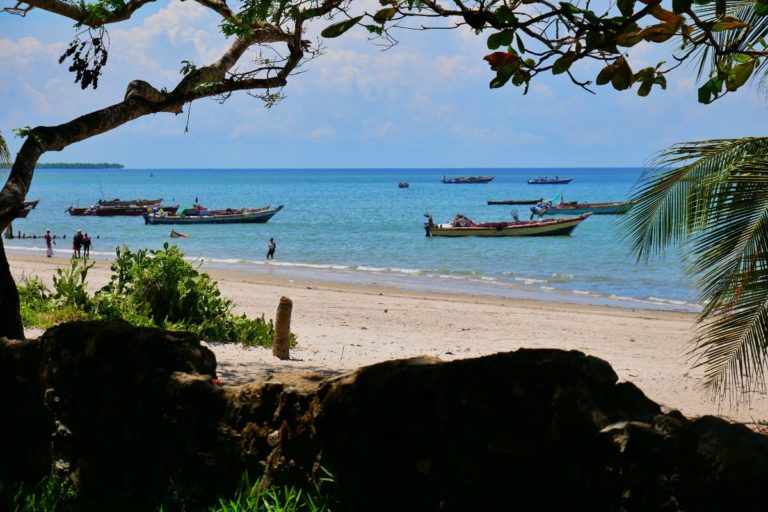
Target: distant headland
<point x="72" y="165"/>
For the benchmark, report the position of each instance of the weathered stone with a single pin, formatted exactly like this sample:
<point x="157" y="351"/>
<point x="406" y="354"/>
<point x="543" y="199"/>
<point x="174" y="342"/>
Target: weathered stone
<point x="125" y="413"/>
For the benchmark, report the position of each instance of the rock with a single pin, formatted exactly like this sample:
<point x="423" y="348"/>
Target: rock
<point x="124" y="413"/>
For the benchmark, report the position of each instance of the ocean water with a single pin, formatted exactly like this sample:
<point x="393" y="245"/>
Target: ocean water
<point x="356" y="225"/>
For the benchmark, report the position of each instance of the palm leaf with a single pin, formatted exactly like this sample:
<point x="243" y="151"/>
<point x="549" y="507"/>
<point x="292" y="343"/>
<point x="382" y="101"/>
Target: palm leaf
<point x="5" y="155"/>
<point x="711" y="197"/>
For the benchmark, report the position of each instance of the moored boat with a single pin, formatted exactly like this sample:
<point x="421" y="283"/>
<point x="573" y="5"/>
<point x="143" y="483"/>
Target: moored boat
<point x="228" y="216"/>
<point x="464" y="226"/>
<point x="518" y="201"/>
<point x="129" y="202"/>
<point x="115" y="211"/>
<point x="574" y="208"/>
<point x="549" y="181"/>
<point x="176" y="234"/>
<point x="468" y="179"/>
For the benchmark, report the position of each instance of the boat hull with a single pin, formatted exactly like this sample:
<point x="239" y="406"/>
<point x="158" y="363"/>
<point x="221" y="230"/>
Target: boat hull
<point x="563" y="181"/>
<point x="552" y="227"/>
<point x="249" y="217"/>
<point x="596" y="208"/>
<point x="463" y="180"/>
<point x="517" y="201"/>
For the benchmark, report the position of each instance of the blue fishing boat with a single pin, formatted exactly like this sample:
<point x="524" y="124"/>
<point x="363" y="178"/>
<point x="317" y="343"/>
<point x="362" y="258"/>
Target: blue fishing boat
<point x="205" y="216"/>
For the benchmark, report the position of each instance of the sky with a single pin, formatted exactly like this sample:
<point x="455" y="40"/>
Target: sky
<point x="423" y="103"/>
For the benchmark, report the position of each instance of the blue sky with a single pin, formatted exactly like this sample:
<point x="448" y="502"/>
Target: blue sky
<point x="424" y="103"/>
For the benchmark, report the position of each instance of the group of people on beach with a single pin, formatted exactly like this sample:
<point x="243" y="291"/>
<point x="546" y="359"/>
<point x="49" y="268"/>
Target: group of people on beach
<point x="81" y="242"/>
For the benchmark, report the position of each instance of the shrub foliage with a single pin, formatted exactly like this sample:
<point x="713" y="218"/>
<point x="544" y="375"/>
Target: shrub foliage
<point x="151" y="288"/>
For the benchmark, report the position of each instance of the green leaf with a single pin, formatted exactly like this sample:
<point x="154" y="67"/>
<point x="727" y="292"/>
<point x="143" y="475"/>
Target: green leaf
<point x="520" y="45"/>
<point x="503" y="38"/>
<point x="739" y="75"/>
<point x="385" y="14"/>
<point x="569" y="8"/>
<point x="502" y="77"/>
<point x="622" y="79"/>
<point x="336" y="29"/>
<point x="627" y="7"/>
<point x="645" y="88"/>
<point x="659" y="33"/>
<point x="505" y="15"/>
<point x="628" y="39"/>
<point x="562" y="64"/>
<point x="761" y="8"/>
<point x="605" y="74"/>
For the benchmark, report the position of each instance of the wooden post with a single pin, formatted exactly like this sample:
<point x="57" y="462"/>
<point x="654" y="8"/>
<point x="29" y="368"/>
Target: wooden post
<point x="282" y="336"/>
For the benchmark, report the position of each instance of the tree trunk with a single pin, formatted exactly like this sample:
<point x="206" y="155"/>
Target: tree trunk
<point x="10" y="314"/>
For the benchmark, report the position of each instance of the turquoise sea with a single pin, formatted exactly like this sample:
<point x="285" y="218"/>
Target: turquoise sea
<point x="356" y="225"/>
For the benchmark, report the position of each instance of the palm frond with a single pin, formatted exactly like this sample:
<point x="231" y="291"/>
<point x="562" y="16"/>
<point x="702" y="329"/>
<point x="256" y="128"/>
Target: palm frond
<point x="711" y="197"/>
<point x="5" y="154"/>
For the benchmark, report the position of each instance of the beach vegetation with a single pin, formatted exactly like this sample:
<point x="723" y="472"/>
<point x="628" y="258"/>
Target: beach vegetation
<point x="148" y="288"/>
<point x="50" y="495"/>
<point x="711" y="199"/>
<point x="55" y="495"/>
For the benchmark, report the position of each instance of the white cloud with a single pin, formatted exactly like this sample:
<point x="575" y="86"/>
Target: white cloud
<point x="322" y="133"/>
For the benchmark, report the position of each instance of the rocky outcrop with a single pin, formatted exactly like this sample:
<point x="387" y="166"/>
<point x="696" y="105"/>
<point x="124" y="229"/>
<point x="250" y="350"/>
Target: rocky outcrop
<point x="129" y="414"/>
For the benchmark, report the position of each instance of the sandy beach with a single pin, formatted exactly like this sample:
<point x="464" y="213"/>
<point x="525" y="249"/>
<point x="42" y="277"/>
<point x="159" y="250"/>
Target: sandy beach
<point x="342" y="326"/>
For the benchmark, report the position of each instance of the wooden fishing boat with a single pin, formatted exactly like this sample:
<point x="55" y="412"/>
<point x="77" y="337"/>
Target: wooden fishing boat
<point x="518" y="201"/>
<point x="130" y="202"/>
<point x="574" y="208"/>
<point x="228" y="216"/>
<point x="125" y="211"/>
<point x="549" y="181"/>
<point x="468" y="179"/>
<point x="463" y="226"/>
<point x="176" y="234"/>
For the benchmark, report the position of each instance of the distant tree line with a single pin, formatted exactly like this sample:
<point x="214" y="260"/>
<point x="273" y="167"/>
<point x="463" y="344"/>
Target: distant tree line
<point x="71" y="165"/>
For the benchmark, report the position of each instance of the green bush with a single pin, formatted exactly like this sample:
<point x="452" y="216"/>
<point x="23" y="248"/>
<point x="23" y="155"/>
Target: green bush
<point x="150" y="288"/>
<point x="50" y="495"/>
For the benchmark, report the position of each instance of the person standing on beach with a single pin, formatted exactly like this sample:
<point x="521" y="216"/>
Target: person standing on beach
<point x="86" y="246"/>
<point x="77" y="243"/>
<point x="48" y="241"/>
<point x="271" y="249"/>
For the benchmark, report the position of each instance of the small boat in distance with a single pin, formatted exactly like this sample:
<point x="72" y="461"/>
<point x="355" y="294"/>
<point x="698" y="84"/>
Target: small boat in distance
<point x="204" y="216"/>
<point x="464" y="226"/>
<point x="574" y="207"/>
<point x="403" y="184"/>
<point x="518" y="201"/>
<point x="176" y="234"/>
<point x="468" y="179"/>
<point x="549" y="181"/>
